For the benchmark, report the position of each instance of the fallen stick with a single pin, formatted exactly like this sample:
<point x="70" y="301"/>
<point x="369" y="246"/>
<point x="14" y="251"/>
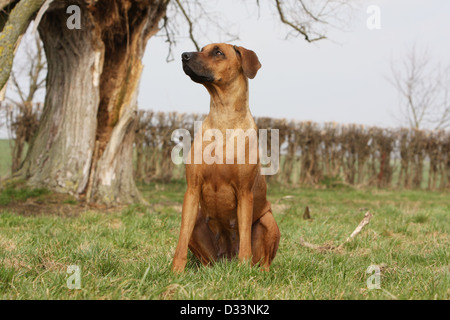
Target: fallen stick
<point x="328" y="247"/>
<point x="325" y="247"/>
<point x="361" y="225"/>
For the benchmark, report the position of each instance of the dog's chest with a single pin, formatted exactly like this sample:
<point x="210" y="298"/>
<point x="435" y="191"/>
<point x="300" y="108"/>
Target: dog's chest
<point x="218" y="192"/>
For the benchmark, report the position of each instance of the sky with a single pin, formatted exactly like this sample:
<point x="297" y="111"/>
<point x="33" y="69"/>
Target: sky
<point x="344" y="79"/>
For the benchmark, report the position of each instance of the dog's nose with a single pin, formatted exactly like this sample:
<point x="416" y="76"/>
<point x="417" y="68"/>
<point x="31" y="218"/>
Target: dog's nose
<point x="186" y="56"/>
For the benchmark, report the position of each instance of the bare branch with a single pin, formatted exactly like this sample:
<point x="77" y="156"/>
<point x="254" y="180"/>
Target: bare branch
<point x="40" y="14"/>
<point x="28" y="77"/>
<point x="423" y="90"/>
<point x="361" y="225"/>
<point x="315" y="18"/>
<point x="191" y="34"/>
<point x="329" y="247"/>
<point x="4" y="3"/>
<point x="16" y="85"/>
<point x="299" y="29"/>
<point x="14" y="28"/>
<point x="169" y="38"/>
<point x="309" y="18"/>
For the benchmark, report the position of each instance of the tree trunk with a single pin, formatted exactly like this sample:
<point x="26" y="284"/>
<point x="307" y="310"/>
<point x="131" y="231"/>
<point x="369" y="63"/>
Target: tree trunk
<point x="84" y="145"/>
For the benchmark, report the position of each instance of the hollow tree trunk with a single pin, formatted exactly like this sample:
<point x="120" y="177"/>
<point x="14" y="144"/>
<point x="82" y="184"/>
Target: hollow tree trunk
<point x="85" y="139"/>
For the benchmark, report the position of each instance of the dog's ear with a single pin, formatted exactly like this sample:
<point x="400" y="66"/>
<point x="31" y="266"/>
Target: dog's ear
<point x="249" y="61"/>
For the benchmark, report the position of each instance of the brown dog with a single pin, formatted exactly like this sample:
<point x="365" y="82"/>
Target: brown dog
<point x="227" y="193"/>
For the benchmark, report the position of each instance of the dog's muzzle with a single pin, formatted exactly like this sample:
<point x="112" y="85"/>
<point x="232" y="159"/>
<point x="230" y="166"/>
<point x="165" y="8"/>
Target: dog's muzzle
<point x="193" y="68"/>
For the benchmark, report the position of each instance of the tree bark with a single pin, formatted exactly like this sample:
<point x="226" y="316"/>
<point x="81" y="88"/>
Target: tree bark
<point x="11" y="33"/>
<point x="5" y="3"/>
<point x="84" y="144"/>
<point x="61" y="154"/>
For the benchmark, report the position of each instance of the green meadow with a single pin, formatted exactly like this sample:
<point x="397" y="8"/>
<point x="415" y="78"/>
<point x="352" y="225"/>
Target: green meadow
<point x="126" y="253"/>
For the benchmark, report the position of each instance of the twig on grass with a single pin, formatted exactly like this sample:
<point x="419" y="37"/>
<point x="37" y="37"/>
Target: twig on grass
<point x="329" y="247"/>
<point x="320" y="248"/>
<point x="361" y="225"/>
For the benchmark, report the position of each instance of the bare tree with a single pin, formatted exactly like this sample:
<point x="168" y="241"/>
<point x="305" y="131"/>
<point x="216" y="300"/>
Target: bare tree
<point x="423" y="87"/>
<point x="84" y="143"/>
<point x="22" y="110"/>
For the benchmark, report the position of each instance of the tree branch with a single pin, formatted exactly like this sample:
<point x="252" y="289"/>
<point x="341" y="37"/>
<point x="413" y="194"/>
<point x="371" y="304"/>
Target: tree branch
<point x="4" y="3"/>
<point x="422" y="86"/>
<point x="191" y="34"/>
<point x="17" y="23"/>
<point x="40" y="13"/>
<point x="330" y="247"/>
<point x="299" y="29"/>
<point x="169" y="38"/>
<point x="358" y="229"/>
<point x="309" y="13"/>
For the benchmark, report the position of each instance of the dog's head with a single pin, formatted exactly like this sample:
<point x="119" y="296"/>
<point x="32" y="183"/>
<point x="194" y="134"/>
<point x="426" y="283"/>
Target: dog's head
<point x="220" y="64"/>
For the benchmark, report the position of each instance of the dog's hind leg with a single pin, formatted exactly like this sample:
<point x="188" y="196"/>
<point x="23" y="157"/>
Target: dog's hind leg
<point x="265" y="239"/>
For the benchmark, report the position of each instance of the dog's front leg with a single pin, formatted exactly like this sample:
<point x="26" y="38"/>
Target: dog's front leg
<point x="245" y="217"/>
<point x="188" y="218"/>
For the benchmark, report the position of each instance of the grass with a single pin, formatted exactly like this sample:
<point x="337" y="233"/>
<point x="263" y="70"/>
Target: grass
<point x="127" y="254"/>
<point x="5" y="157"/>
<point x="10" y="194"/>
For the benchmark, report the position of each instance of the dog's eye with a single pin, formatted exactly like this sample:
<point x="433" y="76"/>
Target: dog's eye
<point x="219" y="53"/>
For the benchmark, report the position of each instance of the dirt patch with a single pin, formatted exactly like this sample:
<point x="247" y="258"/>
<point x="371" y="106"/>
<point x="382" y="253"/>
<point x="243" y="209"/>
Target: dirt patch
<point x="115" y="224"/>
<point x="7" y="244"/>
<point x="280" y="207"/>
<point x="15" y="262"/>
<point x="52" y="204"/>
